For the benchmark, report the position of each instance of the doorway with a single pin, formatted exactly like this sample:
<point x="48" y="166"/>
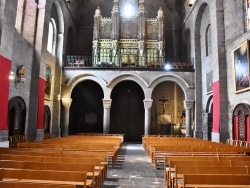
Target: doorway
<point x="47" y="119"/>
<point x="16" y="116"/>
<point x="86" y="110"/>
<point x="127" y="111"/>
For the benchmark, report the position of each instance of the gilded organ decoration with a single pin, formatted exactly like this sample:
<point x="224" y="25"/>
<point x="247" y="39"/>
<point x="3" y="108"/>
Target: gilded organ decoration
<point x="127" y="41"/>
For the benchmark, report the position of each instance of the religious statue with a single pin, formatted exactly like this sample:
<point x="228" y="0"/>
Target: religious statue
<point x="163" y="100"/>
<point x="20" y="71"/>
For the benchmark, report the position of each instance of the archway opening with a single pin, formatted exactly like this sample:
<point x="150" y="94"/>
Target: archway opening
<point x="168" y="113"/>
<point x="47" y="119"/>
<point x="127" y="111"/>
<point x="86" y="111"/>
<point x="17" y="116"/>
<point x="240" y="122"/>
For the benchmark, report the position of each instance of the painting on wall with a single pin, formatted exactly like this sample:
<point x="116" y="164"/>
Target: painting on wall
<point x="241" y="67"/>
<point x="48" y="82"/>
<point x="209" y="81"/>
<point x="247" y="14"/>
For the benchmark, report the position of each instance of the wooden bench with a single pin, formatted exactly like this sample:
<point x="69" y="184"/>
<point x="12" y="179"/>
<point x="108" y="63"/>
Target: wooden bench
<point x="212" y="180"/>
<point x="13" y="184"/>
<point x="45" y="176"/>
<point x="89" y="168"/>
<point x="112" y="149"/>
<point x="72" y="154"/>
<point x="180" y="170"/>
<point x="99" y="165"/>
<point x="170" y="167"/>
<point x="196" y="151"/>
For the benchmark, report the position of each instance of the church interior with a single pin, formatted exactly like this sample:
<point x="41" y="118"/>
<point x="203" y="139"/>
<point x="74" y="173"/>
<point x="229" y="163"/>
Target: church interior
<point x="138" y="76"/>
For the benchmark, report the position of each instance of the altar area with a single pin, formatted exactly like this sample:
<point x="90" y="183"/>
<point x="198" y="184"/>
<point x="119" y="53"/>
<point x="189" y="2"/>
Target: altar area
<point x="128" y="38"/>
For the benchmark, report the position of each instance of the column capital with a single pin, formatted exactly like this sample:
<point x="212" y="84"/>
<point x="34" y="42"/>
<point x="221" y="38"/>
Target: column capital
<point x="148" y="103"/>
<point x="188" y="104"/>
<point x="107" y="103"/>
<point x="66" y="102"/>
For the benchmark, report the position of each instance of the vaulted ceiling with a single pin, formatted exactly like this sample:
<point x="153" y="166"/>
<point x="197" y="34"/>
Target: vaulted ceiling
<point x="174" y="11"/>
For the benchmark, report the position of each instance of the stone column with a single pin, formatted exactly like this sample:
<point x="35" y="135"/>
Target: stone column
<point x="147" y="106"/>
<point x="106" y="115"/>
<point x="66" y="105"/>
<point x="188" y="106"/>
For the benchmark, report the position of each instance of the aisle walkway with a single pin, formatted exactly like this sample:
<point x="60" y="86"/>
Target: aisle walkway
<point x="133" y="168"/>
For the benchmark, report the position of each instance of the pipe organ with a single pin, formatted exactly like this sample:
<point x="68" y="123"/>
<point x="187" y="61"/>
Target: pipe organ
<point x="122" y="41"/>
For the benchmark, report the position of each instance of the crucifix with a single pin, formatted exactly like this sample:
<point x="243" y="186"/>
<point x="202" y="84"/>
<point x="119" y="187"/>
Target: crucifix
<point x="163" y="100"/>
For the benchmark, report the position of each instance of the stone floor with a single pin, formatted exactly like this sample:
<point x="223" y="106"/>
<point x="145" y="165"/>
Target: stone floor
<point x="133" y="168"/>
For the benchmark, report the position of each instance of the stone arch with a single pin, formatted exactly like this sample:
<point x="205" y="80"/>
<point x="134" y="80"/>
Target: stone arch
<point x="187" y="89"/>
<point x="60" y="17"/>
<point x="128" y="77"/>
<point x="86" y="109"/>
<point x="16" y="116"/>
<point x="60" y="30"/>
<point x="209" y="104"/>
<point x="82" y="77"/>
<point x="208" y="119"/>
<point x="198" y="67"/>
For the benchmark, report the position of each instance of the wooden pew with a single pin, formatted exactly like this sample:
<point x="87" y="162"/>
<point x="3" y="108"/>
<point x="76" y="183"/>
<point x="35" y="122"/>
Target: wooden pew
<point x="170" y="168"/>
<point x="72" y="154"/>
<point x="112" y="149"/>
<point x="180" y="170"/>
<point x="21" y="157"/>
<point x="45" y="176"/>
<point x="212" y="180"/>
<point x="89" y="168"/>
<point x="13" y="184"/>
<point x="195" y="151"/>
<point x="99" y="166"/>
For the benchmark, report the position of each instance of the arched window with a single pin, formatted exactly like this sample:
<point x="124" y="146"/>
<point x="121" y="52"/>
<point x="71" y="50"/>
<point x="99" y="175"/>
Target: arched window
<point x="20" y="15"/>
<point x="208" y="40"/>
<point x="51" y="45"/>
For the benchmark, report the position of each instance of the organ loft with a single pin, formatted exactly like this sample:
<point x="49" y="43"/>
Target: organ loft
<point x="128" y="38"/>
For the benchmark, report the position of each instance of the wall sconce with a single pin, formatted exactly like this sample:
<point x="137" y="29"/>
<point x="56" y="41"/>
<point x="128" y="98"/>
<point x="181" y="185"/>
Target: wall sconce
<point x="58" y="97"/>
<point x="11" y="76"/>
<point x="19" y="76"/>
<point x="191" y="2"/>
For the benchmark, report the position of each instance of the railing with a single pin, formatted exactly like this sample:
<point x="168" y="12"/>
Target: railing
<point x="115" y="61"/>
<point x="78" y="61"/>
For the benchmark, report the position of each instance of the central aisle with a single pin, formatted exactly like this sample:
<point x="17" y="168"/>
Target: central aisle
<point x="133" y="168"/>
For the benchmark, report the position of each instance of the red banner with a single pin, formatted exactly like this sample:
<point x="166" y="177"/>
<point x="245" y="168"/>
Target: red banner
<point x="40" y="111"/>
<point x="216" y="107"/>
<point x="4" y="91"/>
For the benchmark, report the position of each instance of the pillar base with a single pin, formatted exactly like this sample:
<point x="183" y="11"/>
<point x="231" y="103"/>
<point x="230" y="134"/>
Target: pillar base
<point x="216" y="137"/>
<point x="4" y="135"/>
<point x="198" y="134"/>
<point x="39" y="134"/>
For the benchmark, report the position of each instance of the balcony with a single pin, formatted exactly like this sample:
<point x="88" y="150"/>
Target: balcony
<point x="110" y="62"/>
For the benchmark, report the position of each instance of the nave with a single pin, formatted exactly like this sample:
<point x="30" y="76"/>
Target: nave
<point x="105" y="161"/>
<point x="133" y="168"/>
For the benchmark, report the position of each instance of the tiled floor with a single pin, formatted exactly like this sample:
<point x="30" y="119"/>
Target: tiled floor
<point x="133" y="168"/>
